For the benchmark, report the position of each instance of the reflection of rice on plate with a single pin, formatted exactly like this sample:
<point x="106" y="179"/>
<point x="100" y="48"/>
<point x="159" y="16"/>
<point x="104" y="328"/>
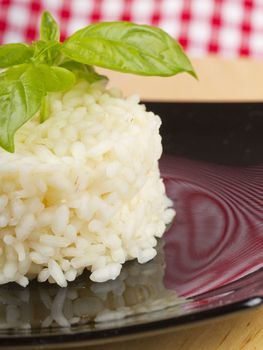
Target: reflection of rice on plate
<point x="138" y="289"/>
<point x="83" y="190"/>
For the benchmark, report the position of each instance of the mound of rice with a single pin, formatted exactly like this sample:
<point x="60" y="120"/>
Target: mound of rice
<point x="83" y="189"/>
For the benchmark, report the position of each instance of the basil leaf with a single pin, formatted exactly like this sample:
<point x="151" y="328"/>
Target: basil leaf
<point x="83" y="71"/>
<point x="12" y="54"/>
<point x="49" y="29"/>
<point x="128" y="48"/>
<point x="21" y="93"/>
<point x="13" y="73"/>
<point x="55" y="78"/>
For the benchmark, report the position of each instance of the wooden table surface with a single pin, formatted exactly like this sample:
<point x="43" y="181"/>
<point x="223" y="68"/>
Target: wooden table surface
<point x="243" y="331"/>
<point x="218" y="80"/>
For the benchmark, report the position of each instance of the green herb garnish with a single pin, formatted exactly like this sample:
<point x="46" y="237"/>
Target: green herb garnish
<point x="33" y="71"/>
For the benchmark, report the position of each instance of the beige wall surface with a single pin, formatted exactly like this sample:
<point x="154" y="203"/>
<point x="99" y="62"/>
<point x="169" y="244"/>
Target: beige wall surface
<point x="219" y="80"/>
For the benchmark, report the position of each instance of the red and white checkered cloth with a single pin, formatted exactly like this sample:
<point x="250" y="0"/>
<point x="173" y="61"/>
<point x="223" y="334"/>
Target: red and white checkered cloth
<point x="227" y="27"/>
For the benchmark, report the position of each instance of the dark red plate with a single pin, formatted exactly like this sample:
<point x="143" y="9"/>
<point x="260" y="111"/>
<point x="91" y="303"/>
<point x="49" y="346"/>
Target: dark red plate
<point x="209" y="262"/>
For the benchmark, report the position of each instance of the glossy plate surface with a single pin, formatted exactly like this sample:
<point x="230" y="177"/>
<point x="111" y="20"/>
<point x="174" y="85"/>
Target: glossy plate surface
<point x="209" y="262"/>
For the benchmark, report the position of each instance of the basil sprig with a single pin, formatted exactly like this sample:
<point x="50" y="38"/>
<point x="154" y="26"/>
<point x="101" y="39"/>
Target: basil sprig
<point x="31" y="72"/>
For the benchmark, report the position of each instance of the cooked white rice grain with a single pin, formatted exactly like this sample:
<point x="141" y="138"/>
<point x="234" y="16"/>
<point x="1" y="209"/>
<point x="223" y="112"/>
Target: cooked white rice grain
<point x="83" y="190"/>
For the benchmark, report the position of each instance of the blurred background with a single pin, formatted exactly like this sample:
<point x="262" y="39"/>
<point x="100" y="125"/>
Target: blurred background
<point x="227" y="27"/>
<point x="209" y="30"/>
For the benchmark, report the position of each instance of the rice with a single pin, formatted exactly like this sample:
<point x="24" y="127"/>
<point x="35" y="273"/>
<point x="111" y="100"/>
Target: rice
<point x="138" y="291"/>
<point x="83" y="190"/>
